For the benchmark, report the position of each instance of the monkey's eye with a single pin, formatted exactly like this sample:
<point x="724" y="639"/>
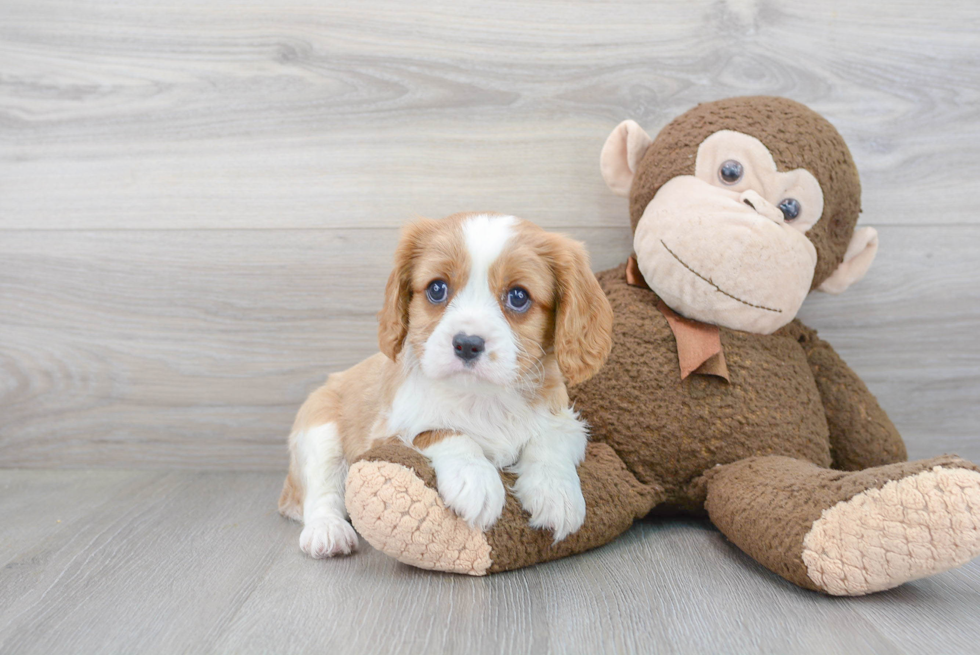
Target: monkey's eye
<point x="437" y="291"/>
<point x="518" y="300"/>
<point x="790" y="208"/>
<point x="730" y="172"/>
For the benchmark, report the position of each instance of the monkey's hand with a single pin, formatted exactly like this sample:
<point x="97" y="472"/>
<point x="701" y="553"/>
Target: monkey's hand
<point x="861" y="434"/>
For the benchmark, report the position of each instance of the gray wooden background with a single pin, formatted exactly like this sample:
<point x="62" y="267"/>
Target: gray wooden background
<point x="199" y="200"/>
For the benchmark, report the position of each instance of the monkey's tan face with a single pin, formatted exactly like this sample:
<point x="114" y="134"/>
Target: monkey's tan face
<point x="728" y="244"/>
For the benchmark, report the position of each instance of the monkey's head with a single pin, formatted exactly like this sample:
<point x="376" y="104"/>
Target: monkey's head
<point x="740" y="208"/>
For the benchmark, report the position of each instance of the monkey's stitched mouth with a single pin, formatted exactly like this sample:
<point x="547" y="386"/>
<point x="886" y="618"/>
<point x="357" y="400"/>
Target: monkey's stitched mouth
<point x="717" y="288"/>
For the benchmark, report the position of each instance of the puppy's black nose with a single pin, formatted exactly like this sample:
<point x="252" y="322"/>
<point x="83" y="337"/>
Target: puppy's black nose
<point x="468" y="347"/>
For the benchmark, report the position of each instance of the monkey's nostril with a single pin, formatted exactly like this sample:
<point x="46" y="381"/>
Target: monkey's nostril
<point x="748" y="202"/>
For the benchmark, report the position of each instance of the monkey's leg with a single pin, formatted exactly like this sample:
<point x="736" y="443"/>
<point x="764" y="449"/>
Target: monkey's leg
<point x="849" y="533"/>
<point x="393" y="503"/>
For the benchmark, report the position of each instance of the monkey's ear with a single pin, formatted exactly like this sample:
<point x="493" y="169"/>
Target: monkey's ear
<point x="621" y="155"/>
<point x="857" y="260"/>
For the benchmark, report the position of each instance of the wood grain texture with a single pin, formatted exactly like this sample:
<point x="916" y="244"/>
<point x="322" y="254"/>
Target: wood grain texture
<point x="194" y="349"/>
<point x="249" y="114"/>
<point x="199" y="200"/>
<point x="200" y="562"/>
<point x="180" y="348"/>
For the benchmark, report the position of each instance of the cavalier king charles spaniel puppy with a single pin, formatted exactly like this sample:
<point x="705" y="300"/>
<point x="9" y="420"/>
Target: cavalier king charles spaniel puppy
<point x="485" y="318"/>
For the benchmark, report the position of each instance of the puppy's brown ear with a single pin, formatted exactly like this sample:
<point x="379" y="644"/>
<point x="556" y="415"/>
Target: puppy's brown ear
<point x="393" y="317"/>
<point x="583" y="316"/>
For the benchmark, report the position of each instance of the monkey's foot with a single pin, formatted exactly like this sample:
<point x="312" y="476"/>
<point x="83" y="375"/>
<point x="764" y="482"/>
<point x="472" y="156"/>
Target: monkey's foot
<point x="393" y="503"/>
<point x="909" y="528"/>
<point x="397" y="513"/>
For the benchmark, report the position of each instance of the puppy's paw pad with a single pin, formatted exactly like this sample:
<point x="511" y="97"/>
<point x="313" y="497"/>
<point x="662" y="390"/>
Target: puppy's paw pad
<point x="323" y="538"/>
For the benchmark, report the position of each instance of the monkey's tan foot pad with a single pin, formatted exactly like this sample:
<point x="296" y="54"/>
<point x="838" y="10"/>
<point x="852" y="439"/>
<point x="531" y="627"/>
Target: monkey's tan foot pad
<point x="909" y="528"/>
<point x="398" y="514"/>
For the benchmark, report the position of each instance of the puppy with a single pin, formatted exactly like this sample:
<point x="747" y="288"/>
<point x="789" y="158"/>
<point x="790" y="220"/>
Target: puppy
<point x="485" y="318"/>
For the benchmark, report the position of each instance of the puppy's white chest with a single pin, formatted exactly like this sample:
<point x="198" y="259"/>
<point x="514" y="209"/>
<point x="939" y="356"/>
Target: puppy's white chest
<point x="499" y="420"/>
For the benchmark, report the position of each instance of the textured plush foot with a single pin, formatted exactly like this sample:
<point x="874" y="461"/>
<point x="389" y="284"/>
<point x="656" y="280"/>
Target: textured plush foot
<point x="392" y="501"/>
<point x="325" y="537"/>
<point x="907" y="529"/>
<point x="402" y="517"/>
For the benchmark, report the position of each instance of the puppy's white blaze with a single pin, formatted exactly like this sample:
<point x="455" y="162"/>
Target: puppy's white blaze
<point x="475" y="310"/>
<point x="485" y="238"/>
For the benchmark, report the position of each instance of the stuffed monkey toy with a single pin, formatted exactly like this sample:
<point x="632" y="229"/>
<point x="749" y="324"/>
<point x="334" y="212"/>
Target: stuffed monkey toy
<point x="716" y="401"/>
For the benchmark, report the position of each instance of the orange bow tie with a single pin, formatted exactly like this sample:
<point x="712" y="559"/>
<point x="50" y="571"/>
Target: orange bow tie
<point x="699" y="348"/>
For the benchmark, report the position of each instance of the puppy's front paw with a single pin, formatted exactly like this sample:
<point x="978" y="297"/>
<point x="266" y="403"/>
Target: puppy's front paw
<point x="554" y="499"/>
<point x="327" y="537"/>
<point x="471" y="487"/>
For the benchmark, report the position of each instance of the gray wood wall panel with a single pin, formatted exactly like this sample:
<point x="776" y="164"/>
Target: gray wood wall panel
<point x="198" y="200"/>
<point x="204" y="114"/>
<point x="194" y="348"/>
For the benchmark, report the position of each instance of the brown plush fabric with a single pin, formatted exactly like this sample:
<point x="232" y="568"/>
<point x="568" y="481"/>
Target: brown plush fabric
<point x="667" y="431"/>
<point x="767" y="505"/>
<point x="613" y="500"/>
<point x="861" y="434"/>
<point x="398" y="453"/>
<point x="797" y="137"/>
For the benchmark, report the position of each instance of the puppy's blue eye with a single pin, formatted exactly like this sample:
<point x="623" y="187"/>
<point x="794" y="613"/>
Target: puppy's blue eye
<point x="790" y="208"/>
<point x="437" y="291"/>
<point x="518" y="300"/>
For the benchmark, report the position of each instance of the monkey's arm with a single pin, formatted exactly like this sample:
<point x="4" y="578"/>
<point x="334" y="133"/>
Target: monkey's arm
<point x="861" y="434"/>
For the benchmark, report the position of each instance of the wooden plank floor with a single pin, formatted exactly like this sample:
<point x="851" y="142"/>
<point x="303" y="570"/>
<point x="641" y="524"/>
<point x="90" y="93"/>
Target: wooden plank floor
<point x="166" y="562"/>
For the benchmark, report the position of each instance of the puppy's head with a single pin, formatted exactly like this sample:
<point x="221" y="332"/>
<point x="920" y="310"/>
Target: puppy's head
<point x="491" y="297"/>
